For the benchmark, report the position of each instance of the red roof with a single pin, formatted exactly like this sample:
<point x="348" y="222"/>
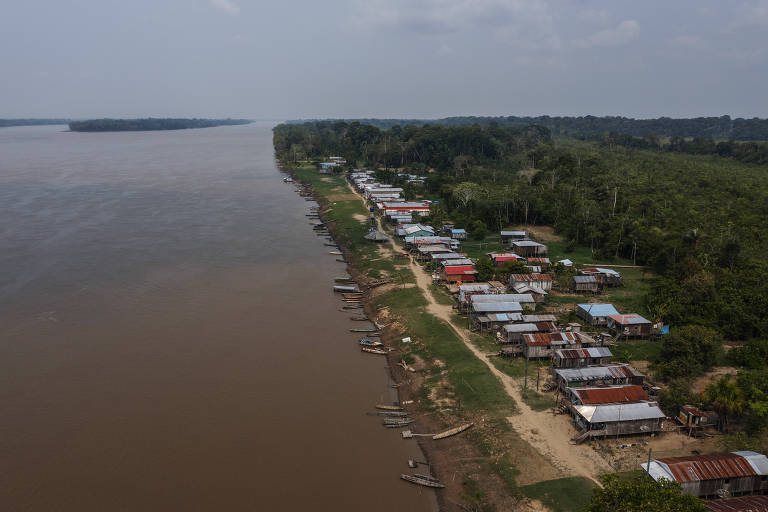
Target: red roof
<point x="713" y="466"/>
<point x="459" y="269"/>
<point x="694" y="411"/>
<point x="546" y="339"/>
<point x="531" y="277"/>
<point x="631" y="318"/>
<point x="611" y="395"/>
<point x="742" y="504"/>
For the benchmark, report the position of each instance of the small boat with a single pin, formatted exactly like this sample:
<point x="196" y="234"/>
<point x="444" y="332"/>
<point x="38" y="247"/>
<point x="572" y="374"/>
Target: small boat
<point x="337" y="253"/>
<point x="359" y="306"/>
<point x="374" y="351"/>
<point x="345" y="288"/>
<point x="342" y="279"/>
<point x="397" y="421"/>
<point x="401" y="424"/>
<point x="368" y="341"/>
<point x="452" y="431"/>
<point x="359" y="318"/>
<point x="391" y="413"/>
<point x="427" y="481"/>
<point x="385" y="407"/>
<point x="363" y="330"/>
<point x="288" y="180"/>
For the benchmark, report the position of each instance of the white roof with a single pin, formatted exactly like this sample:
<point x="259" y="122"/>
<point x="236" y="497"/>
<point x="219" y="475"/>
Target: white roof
<point x="502" y="297"/>
<point x="521" y="328"/>
<point x="619" y="412"/>
<point x="497" y="307"/>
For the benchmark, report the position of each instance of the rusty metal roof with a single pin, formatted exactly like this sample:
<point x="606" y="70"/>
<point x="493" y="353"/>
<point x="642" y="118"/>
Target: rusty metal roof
<point x="742" y="504"/>
<point x="713" y="466"/>
<point x="550" y="338"/>
<point x="610" y="394"/>
<point x="600" y="371"/>
<point x="695" y="411"/>
<point x="530" y="277"/>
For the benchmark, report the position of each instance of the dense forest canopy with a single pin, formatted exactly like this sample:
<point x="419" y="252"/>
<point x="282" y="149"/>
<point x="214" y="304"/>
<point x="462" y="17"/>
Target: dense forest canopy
<point x="32" y="122"/>
<point x="698" y="220"/>
<point x="121" y="125"/>
<point x="722" y="127"/>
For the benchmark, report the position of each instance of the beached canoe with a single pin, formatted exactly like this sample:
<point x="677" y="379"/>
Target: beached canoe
<point x="363" y="330"/>
<point x="337" y="253"/>
<point x="341" y="288"/>
<point x="397" y="421"/>
<point x="452" y="431"/>
<point x="370" y="341"/>
<point x="402" y="424"/>
<point x="374" y="351"/>
<point x="427" y="481"/>
<point x="385" y="407"/>
<point x="392" y="413"/>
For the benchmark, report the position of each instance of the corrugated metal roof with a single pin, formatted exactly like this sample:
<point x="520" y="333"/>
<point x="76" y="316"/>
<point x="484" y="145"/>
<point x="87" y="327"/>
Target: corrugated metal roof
<point x="695" y="411"/>
<point x="619" y="412"/>
<point x="610" y="394"/>
<point x="583" y="353"/>
<point x="742" y="504"/>
<point x="600" y="371"/>
<point x="549" y="339"/>
<point x="503" y="317"/>
<point x="474" y="287"/>
<point x="712" y="466"/>
<point x="630" y="319"/>
<point x="527" y="243"/>
<point x="446" y="256"/>
<point x="460" y="269"/>
<point x="530" y="277"/>
<point x="521" y="328"/>
<point x="596" y="309"/>
<point x="461" y="261"/>
<point x="512" y="233"/>
<point x="758" y="461"/>
<point x="584" y="279"/>
<point x="539" y="318"/>
<point x="496" y="307"/>
<point x="546" y="326"/>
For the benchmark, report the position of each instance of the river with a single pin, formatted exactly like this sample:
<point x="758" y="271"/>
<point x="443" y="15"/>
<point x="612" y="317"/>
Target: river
<point x="168" y="335"/>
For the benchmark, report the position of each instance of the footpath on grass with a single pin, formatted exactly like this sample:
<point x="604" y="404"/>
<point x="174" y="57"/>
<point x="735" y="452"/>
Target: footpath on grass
<point x="515" y="452"/>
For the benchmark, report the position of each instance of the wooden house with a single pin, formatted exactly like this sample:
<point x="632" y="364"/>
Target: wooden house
<point x="543" y="263"/>
<point x="492" y="322"/>
<point x="499" y="259"/>
<point x="542" y="345"/>
<point x="714" y="475"/>
<point x="597" y="375"/>
<point x="596" y="421"/>
<point x="621" y="394"/>
<point x="543" y="281"/>
<point x="580" y="357"/>
<point x="595" y="313"/>
<point x="631" y="325"/>
<point x="510" y="236"/>
<point x="458" y="273"/>
<point x="758" y="503"/>
<point x="585" y="284"/>
<point x="538" y="294"/>
<point x="528" y="248"/>
<point x="606" y="276"/>
<point x="692" y="417"/>
<point x="458" y="234"/>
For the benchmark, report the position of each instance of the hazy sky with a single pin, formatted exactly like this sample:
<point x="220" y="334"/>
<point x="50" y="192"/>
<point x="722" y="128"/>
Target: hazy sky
<point x="383" y="58"/>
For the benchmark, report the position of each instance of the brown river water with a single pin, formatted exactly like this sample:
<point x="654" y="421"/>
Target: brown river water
<point x="168" y="335"/>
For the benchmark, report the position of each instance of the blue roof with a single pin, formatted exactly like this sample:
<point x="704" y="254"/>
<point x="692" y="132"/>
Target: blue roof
<point x="458" y="231"/>
<point x="599" y="309"/>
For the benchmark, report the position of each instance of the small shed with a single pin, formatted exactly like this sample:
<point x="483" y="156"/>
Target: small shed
<point x="374" y="235"/>
<point x="585" y="284"/>
<point x="692" y="417"/>
<point x="595" y="313"/>
<point x="539" y="295"/>
<point x="580" y="357"/>
<point x="513" y="333"/>
<point x="493" y="321"/>
<point x="458" y="234"/>
<point x="631" y="325"/>
<point x="528" y="248"/>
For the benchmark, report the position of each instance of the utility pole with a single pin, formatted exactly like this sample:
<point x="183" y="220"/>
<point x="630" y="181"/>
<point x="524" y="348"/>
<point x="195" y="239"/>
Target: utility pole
<point x="525" y="379"/>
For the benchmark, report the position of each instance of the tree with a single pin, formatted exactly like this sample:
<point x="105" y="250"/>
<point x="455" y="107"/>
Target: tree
<point x="688" y="352"/>
<point x="642" y="494"/>
<point x="726" y="398"/>
<point x="466" y="192"/>
<point x="484" y="268"/>
<point x="479" y="230"/>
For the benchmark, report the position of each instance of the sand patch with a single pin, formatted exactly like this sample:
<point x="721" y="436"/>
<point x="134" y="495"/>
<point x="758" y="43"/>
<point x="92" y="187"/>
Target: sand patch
<point x="700" y="383"/>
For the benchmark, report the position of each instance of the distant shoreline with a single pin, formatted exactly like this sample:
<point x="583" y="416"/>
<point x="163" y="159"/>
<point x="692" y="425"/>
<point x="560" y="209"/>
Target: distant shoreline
<point x="149" y="124"/>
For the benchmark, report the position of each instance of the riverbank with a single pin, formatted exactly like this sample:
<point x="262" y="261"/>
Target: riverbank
<point x="490" y="465"/>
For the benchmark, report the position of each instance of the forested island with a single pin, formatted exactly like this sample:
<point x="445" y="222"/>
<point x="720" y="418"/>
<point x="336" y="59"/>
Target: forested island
<point x="149" y="124"/>
<point x="722" y="127"/>
<point x="4" y="123"/>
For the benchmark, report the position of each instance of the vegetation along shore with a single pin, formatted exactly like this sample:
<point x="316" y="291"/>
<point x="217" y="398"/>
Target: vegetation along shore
<point x="149" y="124"/>
<point x="501" y="243"/>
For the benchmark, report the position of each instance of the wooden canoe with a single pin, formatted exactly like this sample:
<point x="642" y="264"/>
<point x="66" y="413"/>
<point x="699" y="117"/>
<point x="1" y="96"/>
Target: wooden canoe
<point x="385" y="407"/>
<point x="391" y="413"/>
<point x="452" y="431"/>
<point x="424" y="480"/>
<point x="363" y="330"/>
<point x="397" y="421"/>
<point x="374" y="351"/>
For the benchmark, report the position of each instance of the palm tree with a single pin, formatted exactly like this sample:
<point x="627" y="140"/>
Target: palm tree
<point x="726" y="398"/>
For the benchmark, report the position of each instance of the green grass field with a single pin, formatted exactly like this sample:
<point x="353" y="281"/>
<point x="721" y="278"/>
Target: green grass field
<point x="562" y="495"/>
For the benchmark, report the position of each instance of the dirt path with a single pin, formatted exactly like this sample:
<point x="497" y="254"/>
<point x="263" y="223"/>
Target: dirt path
<point x="549" y="434"/>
